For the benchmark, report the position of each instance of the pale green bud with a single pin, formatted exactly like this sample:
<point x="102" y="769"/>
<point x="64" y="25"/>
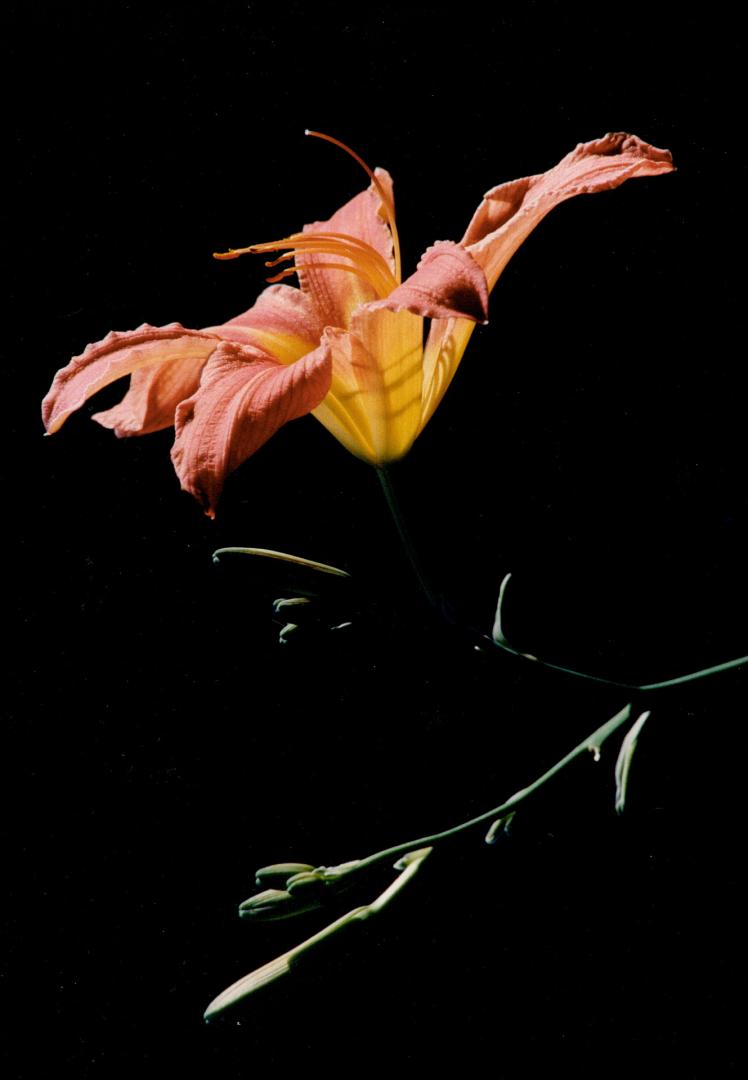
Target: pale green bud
<point x="276" y="876"/>
<point x="274" y="904"/>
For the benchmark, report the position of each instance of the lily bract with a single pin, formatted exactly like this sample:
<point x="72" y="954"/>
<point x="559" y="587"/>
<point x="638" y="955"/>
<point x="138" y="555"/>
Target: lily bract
<point x="350" y="344"/>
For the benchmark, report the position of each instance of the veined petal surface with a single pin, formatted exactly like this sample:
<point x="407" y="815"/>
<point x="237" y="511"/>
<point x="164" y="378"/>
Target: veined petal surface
<point x="120" y="354"/>
<point x="448" y="282"/>
<point x="166" y="362"/>
<point x="243" y="398"/>
<point x="283" y="323"/>
<point x="153" y="396"/>
<point x="374" y="403"/>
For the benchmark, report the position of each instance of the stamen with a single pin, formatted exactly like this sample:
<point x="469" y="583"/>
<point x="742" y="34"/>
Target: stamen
<point x="283" y="274"/>
<point x="342" y="241"/>
<point x="280" y="259"/>
<point x="317" y="266"/>
<point x="367" y="262"/>
<point x="388" y="208"/>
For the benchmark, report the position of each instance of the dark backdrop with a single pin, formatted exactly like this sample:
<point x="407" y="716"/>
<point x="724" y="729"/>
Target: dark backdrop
<point x="160" y="744"/>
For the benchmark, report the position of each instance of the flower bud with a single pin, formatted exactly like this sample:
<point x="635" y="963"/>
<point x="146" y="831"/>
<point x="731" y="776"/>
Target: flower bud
<point x="291" y="601"/>
<point x="342" y="870"/>
<point x="500" y="827"/>
<point x="274" y="904"/>
<point x="623" y="764"/>
<point x="276" y="876"/>
<point x="306" y="884"/>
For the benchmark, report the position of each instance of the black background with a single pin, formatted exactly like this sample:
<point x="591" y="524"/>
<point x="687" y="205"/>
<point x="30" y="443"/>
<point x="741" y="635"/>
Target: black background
<point x="160" y="744"/>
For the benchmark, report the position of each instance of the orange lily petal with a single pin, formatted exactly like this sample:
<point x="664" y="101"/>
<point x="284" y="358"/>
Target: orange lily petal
<point x="283" y="322"/>
<point x="336" y="293"/>
<point x="121" y="354"/>
<point x="243" y="398"/>
<point x="153" y="396"/>
<point x="165" y="362"/>
<point x="374" y="402"/>
<point x="509" y="213"/>
<point x="448" y="282"/>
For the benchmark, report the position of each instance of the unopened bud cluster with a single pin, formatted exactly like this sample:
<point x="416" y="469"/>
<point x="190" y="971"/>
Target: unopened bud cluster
<point x="294" y="888"/>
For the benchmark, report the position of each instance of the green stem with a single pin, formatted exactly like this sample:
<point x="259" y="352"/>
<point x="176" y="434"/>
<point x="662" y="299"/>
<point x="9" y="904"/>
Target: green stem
<point x="693" y="676"/>
<point x="409" y="547"/>
<point x="591" y="744"/>
<point x="637" y="688"/>
<point x="503" y="644"/>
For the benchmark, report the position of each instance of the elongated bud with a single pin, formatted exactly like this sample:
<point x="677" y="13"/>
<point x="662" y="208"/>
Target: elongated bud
<point x="623" y="764"/>
<point x="411" y="858"/>
<point x="273" y="904"/>
<point x="291" y="601"/>
<point x="498" y="628"/>
<point x="283" y="556"/>
<point x="306" y="884"/>
<point x="277" y="875"/>
<point x="500" y="827"/>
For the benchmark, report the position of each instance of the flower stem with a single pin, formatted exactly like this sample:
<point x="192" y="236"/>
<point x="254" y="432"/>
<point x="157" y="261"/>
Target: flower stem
<point x="397" y="516"/>
<point x="501" y="642"/>
<point x="591" y="744"/>
<point x="637" y="688"/>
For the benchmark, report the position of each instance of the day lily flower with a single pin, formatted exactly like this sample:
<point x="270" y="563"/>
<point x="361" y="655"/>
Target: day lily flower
<point x="348" y="344"/>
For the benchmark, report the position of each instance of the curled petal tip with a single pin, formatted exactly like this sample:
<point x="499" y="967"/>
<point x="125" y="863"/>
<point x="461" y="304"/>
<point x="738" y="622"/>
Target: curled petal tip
<point x="620" y="142"/>
<point x="448" y="283"/>
<point x="164" y="364"/>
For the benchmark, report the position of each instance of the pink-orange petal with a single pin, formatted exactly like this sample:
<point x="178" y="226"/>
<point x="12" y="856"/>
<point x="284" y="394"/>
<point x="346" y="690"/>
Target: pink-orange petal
<point x="243" y="398"/>
<point x="509" y="212"/>
<point x="150" y="403"/>
<point x="447" y="283"/>
<point x="282" y="322"/>
<point x="336" y="293"/>
<point x="120" y="354"/>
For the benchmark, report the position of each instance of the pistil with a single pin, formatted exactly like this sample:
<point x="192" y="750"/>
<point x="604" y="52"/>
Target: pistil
<point x="388" y="207"/>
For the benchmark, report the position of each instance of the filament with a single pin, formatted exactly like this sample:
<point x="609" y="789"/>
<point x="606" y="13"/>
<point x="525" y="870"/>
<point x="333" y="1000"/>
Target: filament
<point x="366" y="262"/>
